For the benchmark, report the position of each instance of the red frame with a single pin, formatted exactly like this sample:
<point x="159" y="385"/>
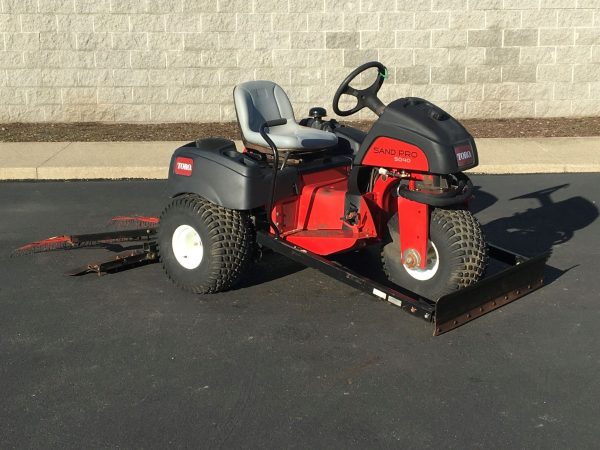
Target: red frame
<point x="314" y="219"/>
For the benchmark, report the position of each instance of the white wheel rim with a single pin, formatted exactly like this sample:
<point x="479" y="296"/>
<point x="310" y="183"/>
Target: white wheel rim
<point x="187" y="247"/>
<point x="431" y="268"/>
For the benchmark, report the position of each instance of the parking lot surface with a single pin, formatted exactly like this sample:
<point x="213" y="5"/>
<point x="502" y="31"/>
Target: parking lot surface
<point x="292" y="358"/>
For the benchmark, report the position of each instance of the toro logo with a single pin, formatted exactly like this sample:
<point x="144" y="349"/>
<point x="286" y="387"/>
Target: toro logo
<point x="464" y="155"/>
<point x="183" y="166"/>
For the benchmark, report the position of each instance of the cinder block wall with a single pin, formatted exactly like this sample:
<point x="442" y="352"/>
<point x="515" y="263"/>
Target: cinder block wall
<point x="178" y="60"/>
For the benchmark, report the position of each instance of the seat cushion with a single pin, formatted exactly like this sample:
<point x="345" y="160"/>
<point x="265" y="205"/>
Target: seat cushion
<point x="292" y="136"/>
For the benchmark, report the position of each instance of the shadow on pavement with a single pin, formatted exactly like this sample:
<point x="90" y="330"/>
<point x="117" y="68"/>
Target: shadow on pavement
<point x="481" y="200"/>
<point x="271" y="266"/>
<point x="538" y="229"/>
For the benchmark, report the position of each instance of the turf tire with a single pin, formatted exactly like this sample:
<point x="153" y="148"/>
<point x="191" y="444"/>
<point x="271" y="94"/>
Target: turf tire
<point x="227" y="237"/>
<point x="461" y="251"/>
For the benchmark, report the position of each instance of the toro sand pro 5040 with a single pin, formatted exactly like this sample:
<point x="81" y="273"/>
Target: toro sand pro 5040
<point x="315" y="189"/>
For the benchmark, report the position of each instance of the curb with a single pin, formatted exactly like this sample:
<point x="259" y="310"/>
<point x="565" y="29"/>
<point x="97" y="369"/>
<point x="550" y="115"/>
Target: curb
<point x="150" y="160"/>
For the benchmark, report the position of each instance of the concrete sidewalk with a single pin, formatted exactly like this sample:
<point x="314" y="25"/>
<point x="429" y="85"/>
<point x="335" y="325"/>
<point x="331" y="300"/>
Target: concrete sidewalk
<point x="150" y="160"/>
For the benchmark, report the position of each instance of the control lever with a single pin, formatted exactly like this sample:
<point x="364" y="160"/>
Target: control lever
<point x="265" y="136"/>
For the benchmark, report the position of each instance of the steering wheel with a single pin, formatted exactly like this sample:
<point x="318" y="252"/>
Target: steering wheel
<point x="366" y="97"/>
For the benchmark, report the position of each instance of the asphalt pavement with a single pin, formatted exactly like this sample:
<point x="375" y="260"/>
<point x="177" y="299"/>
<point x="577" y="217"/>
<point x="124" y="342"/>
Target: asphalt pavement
<point x="292" y="358"/>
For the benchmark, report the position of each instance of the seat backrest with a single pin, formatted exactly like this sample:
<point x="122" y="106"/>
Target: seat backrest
<point x="259" y="101"/>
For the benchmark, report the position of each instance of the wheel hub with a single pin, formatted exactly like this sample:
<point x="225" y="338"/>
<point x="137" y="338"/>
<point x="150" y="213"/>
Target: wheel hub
<point x="187" y="247"/>
<point x="412" y="258"/>
<point x="412" y="262"/>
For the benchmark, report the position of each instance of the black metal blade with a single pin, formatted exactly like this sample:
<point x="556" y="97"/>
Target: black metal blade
<point x="119" y="235"/>
<point x="125" y="260"/>
<point x="451" y="311"/>
<point x="458" y="308"/>
<point x="403" y="298"/>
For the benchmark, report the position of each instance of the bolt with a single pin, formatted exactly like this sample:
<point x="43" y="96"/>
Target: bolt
<point x="412" y="258"/>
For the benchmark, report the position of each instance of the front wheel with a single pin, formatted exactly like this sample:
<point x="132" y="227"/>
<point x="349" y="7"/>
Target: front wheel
<point x="456" y="255"/>
<point x="203" y="247"/>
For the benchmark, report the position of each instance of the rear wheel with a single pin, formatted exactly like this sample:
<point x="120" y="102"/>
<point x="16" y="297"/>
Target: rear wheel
<point x="203" y="247"/>
<point x="456" y="255"/>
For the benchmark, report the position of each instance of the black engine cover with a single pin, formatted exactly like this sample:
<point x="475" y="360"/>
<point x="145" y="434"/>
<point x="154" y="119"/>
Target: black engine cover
<point x="419" y="122"/>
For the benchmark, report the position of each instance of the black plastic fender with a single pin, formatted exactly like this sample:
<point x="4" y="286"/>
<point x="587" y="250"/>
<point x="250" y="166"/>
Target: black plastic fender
<point x="460" y="194"/>
<point x="215" y="170"/>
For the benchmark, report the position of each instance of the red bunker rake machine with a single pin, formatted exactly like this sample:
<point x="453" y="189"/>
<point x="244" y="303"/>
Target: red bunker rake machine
<point x="314" y="189"/>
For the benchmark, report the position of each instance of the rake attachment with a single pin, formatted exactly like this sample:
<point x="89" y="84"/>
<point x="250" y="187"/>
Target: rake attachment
<point x="68" y="242"/>
<point x="135" y="221"/>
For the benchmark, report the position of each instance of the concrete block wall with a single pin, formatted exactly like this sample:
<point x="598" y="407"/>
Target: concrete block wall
<point x="178" y="60"/>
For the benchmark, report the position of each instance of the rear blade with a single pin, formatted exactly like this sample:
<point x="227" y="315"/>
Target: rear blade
<point x="458" y="308"/>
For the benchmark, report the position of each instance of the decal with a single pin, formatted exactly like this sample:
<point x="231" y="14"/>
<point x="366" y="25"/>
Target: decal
<point x="464" y="155"/>
<point x="394" y="301"/>
<point x="396" y="154"/>
<point x="184" y="166"/>
<point x="379" y="293"/>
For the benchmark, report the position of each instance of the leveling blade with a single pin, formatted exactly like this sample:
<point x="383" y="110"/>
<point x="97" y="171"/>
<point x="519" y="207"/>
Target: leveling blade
<point x="524" y="276"/>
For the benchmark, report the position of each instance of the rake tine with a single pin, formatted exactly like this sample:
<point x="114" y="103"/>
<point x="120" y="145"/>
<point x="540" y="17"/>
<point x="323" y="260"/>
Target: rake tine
<point x="67" y="242"/>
